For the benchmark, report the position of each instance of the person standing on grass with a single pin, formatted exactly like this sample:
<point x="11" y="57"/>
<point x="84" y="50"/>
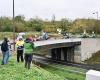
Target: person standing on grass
<point x="5" y="51"/>
<point x="29" y="47"/>
<point x="20" y="49"/>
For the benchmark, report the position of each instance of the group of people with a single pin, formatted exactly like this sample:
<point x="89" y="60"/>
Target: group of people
<point x="24" y="47"/>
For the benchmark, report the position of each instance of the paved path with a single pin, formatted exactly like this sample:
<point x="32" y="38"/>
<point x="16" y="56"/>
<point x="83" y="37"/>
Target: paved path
<point x="45" y="60"/>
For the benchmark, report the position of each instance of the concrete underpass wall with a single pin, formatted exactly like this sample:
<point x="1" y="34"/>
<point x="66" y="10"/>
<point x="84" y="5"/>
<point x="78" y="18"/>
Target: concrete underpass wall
<point x="84" y="51"/>
<point x="88" y="47"/>
<point x="73" y="54"/>
<point x="77" y="53"/>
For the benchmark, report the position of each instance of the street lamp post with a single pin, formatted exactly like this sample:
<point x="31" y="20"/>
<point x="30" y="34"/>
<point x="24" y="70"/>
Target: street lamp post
<point x="96" y="22"/>
<point x="97" y="14"/>
<point x="13" y="25"/>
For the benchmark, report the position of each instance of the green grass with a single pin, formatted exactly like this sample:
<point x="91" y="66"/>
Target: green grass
<point x="10" y="34"/>
<point x="16" y="71"/>
<point x="95" y="59"/>
<point x="71" y="68"/>
<point x="68" y="72"/>
<point x="6" y="34"/>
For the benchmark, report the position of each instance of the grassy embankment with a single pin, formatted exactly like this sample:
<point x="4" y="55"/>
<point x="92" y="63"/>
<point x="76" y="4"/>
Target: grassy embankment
<point x="68" y="72"/>
<point x="95" y="59"/>
<point x="16" y="71"/>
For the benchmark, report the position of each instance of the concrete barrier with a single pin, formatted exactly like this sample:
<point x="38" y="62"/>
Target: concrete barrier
<point x="93" y="75"/>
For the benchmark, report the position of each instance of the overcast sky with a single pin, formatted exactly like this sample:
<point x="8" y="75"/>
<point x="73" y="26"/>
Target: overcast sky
<point x="46" y="8"/>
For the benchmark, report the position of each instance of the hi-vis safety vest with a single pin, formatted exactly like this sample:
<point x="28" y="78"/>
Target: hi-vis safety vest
<point x="19" y="44"/>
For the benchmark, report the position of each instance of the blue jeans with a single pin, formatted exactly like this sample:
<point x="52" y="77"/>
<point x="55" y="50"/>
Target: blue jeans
<point x="5" y="57"/>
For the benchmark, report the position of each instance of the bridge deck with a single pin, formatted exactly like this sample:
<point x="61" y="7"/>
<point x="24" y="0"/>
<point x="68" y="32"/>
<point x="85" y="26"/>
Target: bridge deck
<point x="57" y="43"/>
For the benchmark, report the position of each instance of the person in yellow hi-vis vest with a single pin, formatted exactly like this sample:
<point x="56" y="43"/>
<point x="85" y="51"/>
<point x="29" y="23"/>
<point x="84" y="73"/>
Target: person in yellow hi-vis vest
<point x="20" y="49"/>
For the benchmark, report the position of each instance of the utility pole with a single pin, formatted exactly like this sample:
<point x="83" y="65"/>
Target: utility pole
<point x="14" y="25"/>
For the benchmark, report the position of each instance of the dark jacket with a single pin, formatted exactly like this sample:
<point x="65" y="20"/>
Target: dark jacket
<point x="4" y="46"/>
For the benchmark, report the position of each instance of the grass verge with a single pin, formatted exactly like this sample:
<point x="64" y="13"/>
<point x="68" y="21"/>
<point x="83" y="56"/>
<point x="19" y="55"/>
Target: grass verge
<point x="16" y="71"/>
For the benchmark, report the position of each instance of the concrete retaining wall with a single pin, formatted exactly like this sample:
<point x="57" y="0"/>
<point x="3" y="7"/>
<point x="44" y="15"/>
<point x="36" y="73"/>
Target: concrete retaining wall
<point x="88" y="47"/>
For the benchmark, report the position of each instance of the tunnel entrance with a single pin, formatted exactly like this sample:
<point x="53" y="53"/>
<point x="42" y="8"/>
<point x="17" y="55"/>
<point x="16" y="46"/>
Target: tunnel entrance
<point x="63" y="54"/>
